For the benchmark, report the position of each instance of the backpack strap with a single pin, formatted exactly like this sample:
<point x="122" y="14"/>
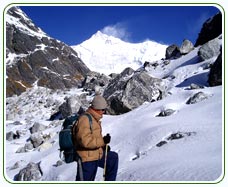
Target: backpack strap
<point x="90" y="121"/>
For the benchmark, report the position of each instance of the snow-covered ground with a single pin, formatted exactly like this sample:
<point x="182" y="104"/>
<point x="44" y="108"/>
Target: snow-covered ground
<point x="197" y="157"/>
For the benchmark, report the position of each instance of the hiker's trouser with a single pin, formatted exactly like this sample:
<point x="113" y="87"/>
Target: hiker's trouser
<point x="90" y="168"/>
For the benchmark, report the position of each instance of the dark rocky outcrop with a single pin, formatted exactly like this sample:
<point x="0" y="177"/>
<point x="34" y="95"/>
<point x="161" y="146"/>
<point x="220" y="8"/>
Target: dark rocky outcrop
<point x="211" y="29"/>
<point x="215" y="75"/>
<point x="34" y="58"/>
<point x="172" y="51"/>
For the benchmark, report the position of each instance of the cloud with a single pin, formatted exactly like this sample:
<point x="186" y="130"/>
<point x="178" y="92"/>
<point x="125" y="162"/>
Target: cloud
<point x="118" y="30"/>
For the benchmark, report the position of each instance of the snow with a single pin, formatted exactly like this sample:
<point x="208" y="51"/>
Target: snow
<point x="116" y="53"/>
<point x="195" y="158"/>
<point x="16" y="21"/>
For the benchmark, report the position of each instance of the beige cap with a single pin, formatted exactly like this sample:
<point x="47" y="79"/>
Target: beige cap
<point x="99" y="102"/>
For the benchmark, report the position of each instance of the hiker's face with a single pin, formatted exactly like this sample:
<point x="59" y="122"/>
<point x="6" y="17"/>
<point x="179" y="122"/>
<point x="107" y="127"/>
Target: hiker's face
<point x="101" y="112"/>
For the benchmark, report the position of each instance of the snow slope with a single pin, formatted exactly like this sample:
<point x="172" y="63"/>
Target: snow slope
<point x="197" y="157"/>
<point x="107" y="54"/>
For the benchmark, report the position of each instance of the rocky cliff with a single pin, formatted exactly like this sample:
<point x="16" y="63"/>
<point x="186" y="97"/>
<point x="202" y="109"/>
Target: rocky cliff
<point x="33" y="58"/>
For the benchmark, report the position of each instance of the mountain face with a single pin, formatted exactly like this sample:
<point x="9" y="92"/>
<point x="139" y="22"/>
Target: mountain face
<point x="211" y="29"/>
<point x="33" y="58"/>
<point x="107" y="54"/>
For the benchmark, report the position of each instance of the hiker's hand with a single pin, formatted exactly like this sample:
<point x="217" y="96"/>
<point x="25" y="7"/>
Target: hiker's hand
<point x="109" y="148"/>
<point x="107" y="139"/>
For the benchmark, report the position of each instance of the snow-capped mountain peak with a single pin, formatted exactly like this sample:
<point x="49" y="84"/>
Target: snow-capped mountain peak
<point x="107" y="54"/>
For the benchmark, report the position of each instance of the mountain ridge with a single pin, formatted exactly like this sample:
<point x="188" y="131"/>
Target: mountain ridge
<point x="32" y="57"/>
<point x="116" y="54"/>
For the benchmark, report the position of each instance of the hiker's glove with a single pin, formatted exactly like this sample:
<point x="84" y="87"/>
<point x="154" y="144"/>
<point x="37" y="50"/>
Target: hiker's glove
<point x="109" y="148"/>
<point x="107" y="139"/>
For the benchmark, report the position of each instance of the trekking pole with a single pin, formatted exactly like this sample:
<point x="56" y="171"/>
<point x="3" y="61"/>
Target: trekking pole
<point x="105" y="161"/>
<point x="80" y="170"/>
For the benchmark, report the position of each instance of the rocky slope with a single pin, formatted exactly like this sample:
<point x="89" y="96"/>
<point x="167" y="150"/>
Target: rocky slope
<point x="34" y="58"/>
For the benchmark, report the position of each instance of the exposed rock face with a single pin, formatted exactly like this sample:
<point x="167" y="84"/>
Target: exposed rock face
<point x="33" y="58"/>
<point x="131" y="89"/>
<point x="215" y="75"/>
<point x="211" y="29"/>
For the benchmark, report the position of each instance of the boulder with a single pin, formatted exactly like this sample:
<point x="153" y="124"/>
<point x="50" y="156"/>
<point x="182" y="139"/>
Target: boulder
<point x="36" y="139"/>
<point x="166" y="112"/>
<point x="73" y="104"/>
<point x="31" y="172"/>
<point x="94" y="79"/>
<point x="210" y="49"/>
<point x="198" y="97"/>
<point x="129" y="90"/>
<point x="186" y="47"/>
<point x="11" y="135"/>
<point x="37" y="127"/>
<point x="172" y="51"/>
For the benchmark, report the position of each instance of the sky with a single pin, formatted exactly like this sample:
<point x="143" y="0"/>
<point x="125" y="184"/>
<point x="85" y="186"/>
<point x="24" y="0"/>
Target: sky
<point x="164" y="24"/>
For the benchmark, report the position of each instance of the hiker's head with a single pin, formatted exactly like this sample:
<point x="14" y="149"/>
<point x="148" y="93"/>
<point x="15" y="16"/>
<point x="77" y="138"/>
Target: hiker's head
<point x="99" y="103"/>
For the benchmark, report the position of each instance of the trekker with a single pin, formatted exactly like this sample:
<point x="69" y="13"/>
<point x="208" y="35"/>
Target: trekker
<point x="91" y="144"/>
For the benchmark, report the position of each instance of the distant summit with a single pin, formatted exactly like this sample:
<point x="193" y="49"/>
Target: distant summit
<point x="107" y="54"/>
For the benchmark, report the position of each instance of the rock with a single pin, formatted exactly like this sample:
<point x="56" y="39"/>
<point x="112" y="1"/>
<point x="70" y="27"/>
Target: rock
<point x="38" y="58"/>
<point x="18" y="164"/>
<point x="11" y="135"/>
<point x="31" y="172"/>
<point x="94" y="79"/>
<point x="130" y="90"/>
<point x="215" y="75"/>
<point x="194" y="86"/>
<point x="172" y="51"/>
<point x="210" y="49"/>
<point x="186" y="47"/>
<point x="73" y="104"/>
<point x="28" y="146"/>
<point x="21" y="150"/>
<point x="166" y="112"/>
<point x="37" y="127"/>
<point x="161" y="143"/>
<point x="36" y="139"/>
<point x="211" y="29"/>
<point x="59" y="163"/>
<point x="175" y="136"/>
<point x="200" y="96"/>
